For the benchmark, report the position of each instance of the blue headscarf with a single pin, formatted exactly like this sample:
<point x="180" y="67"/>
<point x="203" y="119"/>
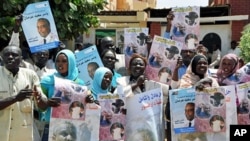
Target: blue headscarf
<point x="48" y="82"/>
<point x="97" y="82"/>
<point x="72" y="69"/>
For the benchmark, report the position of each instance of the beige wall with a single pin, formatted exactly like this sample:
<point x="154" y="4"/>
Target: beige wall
<point x="112" y="5"/>
<point x="132" y="4"/>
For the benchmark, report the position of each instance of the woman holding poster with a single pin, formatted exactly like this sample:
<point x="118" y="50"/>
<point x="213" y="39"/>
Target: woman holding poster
<point x="65" y="65"/>
<point x="197" y="70"/>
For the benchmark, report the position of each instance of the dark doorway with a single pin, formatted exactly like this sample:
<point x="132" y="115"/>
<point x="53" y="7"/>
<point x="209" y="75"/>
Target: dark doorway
<point x="210" y="39"/>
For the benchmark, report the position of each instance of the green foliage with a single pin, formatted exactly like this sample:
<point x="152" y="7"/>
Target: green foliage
<point x="245" y="44"/>
<point x="72" y="17"/>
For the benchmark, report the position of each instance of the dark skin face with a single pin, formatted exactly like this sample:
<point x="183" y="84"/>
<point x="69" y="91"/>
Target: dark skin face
<point x="202" y="50"/>
<point x="170" y="55"/>
<point x="233" y="45"/>
<point x="12" y="57"/>
<point x="188" y="55"/>
<point x="106" y="81"/>
<point x="62" y="64"/>
<point x="109" y="59"/>
<point x="41" y="58"/>
<point x="107" y="43"/>
<point x="137" y="67"/>
<point x="228" y="66"/>
<point x="79" y="47"/>
<point x="201" y="67"/>
<point x="189" y="112"/>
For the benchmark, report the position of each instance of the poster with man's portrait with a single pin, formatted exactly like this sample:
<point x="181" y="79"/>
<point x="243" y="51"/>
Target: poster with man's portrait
<point x="39" y="27"/>
<point x="162" y="59"/>
<point x="87" y="61"/>
<point x="113" y="117"/>
<point x="186" y="26"/>
<point x="182" y="105"/>
<point x="74" y="117"/>
<point x="210" y="110"/>
<point x="243" y="95"/>
<point x="135" y="42"/>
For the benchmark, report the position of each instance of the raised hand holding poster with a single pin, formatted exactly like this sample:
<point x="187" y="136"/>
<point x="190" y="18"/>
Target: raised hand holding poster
<point x="39" y="27"/>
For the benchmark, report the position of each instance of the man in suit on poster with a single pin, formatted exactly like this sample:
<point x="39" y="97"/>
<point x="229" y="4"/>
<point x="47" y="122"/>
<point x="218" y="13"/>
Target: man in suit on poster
<point x="189" y="113"/>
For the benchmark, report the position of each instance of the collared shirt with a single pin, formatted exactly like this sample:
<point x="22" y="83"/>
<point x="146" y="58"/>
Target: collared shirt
<point x="115" y="76"/>
<point x="51" y="37"/>
<point x="42" y="72"/>
<point x="50" y="64"/>
<point x="16" y="120"/>
<point x="188" y="122"/>
<point x="236" y="51"/>
<point x="181" y="71"/>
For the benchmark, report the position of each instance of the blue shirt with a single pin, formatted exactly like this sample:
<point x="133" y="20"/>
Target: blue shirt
<point x="153" y="63"/>
<point x="202" y="114"/>
<point x="166" y="35"/>
<point x="129" y="51"/>
<point x="181" y="71"/>
<point x="177" y="33"/>
<point x="115" y="76"/>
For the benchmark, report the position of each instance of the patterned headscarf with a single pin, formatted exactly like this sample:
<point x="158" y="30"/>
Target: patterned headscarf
<point x="191" y="77"/>
<point x="220" y="73"/>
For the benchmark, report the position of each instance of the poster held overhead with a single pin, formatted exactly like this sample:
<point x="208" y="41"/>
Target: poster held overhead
<point x="39" y="27"/>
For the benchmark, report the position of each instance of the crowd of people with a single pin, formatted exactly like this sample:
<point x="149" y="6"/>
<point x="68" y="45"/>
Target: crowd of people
<point x="21" y="82"/>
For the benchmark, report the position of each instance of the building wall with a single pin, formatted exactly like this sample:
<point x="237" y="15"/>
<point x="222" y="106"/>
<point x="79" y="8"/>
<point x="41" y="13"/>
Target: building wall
<point x="155" y="29"/>
<point x="124" y="5"/>
<point x="111" y="5"/>
<point x="239" y="7"/>
<point x="224" y="31"/>
<point x="134" y="4"/>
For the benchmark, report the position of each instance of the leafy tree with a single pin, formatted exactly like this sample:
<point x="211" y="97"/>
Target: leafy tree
<point x="72" y="17"/>
<point x="245" y="44"/>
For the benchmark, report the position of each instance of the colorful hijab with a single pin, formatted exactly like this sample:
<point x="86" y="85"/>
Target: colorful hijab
<point x="72" y="69"/>
<point x="221" y="76"/>
<point x="97" y="82"/>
